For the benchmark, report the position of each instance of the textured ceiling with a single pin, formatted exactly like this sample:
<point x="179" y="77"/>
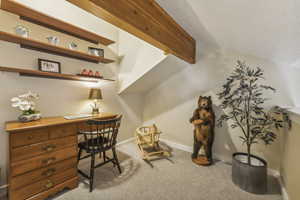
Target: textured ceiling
<point x="264" y="28"/>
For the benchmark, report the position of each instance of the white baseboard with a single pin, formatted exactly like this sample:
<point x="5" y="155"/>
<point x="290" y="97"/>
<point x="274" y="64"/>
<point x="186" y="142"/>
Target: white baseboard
<point x="284" y="193"/>
<point x="168" y="142"/>
<point x="125" y="141"/>
<point x="178" y="146"/>
<point x="274" y="173"/>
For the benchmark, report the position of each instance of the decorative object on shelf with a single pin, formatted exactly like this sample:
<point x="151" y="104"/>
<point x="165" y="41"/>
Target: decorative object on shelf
<point x="90" y="74"/>
<point x="84" y="72"/>
<point x="26" y="104"/>
<point x="97" y="74"/>
<point x="73" y="46"/>
<point x="53" y="40"/>
<point x="22" y="31"/>
<point x="46" y="47"/>
<point x="95" y="95"/>
<point x="49" y="66"/>
<point x="243" y="101"/>
<point x="96" y="51"/>
<point x="204" y="122"/>
<point x="147" y="138"/>
<point x="58" y="76"/>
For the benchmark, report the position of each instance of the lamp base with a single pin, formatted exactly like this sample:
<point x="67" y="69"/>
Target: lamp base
<point x="95" y="111"/>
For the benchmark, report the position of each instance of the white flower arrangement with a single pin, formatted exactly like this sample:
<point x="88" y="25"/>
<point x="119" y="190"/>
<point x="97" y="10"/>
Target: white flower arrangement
<point x="25" y="103"/>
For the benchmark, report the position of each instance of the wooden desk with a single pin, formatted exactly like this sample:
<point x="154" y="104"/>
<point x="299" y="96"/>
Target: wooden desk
<point x="43" y="156"/>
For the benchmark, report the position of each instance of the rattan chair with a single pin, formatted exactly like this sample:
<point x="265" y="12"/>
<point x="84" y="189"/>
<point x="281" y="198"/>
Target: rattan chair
<point x="99" y="137"/>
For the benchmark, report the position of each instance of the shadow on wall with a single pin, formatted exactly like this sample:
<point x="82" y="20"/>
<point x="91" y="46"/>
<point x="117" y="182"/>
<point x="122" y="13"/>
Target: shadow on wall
<point x="223" y="146"/>
<point x="206" y="75"/>
<point x="129" y="105"/>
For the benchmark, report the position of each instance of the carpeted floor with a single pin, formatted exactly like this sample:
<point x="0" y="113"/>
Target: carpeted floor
<point x="176" y="180"/>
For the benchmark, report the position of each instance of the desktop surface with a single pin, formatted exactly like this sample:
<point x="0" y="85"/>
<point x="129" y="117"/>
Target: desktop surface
<point x="51" y="121"/>
<point x="78" y="116"/>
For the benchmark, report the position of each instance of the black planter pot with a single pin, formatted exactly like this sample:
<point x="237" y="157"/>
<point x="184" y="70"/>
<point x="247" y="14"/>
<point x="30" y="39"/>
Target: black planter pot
<point x="251" y="178"/>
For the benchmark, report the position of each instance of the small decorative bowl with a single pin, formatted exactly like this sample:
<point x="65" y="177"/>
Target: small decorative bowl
<point x="22" y="31"/>
<point x="73" y="46"/>
<point x="53" y="40"/>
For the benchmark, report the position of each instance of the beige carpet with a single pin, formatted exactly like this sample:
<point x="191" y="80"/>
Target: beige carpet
<point x="180" y="180"/>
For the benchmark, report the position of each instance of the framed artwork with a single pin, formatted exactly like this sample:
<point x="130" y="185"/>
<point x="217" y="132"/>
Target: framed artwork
<point x="49" y="66"/>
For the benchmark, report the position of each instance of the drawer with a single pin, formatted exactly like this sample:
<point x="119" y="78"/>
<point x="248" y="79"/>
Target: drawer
<point x="44" y="160"/>
<point x="33" y="150"/>
<point x="39" y="174"/>
<point x="62" y="131"/>
<point x="28" y="137"/>
<point x="43" y="185"/>
<point x="70" y="184"/>
<point x="85" y="127"/>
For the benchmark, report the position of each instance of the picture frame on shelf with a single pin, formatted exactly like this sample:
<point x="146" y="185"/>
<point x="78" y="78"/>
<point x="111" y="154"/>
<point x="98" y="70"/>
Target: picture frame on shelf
<point x="49" y="66"/>
<point x="96" y="51"/>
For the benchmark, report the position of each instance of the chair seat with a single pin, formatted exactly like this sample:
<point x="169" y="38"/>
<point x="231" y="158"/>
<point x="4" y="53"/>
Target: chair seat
<point x="93" y="145"/>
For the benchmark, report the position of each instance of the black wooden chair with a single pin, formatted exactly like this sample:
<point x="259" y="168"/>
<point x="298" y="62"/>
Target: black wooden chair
<point x="99" y="136"/>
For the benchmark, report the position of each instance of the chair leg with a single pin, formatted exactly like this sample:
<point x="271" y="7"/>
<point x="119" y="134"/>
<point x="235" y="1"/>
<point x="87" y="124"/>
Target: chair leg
<point x="104" y="156"/>
<point x="92" y="169"/>
<point x="116" y="159"/>
<point x="79" y="155"/>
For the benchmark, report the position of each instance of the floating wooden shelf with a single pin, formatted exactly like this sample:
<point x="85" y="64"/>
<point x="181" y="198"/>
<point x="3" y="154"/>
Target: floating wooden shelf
<point x="53" y="49"/>
<point x="39" y="18"/>
<point x="95" y="77"/>
<point x="39" y="74"/>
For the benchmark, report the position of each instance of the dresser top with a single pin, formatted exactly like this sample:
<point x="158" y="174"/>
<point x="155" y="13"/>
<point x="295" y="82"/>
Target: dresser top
<point x="14" y="126"/>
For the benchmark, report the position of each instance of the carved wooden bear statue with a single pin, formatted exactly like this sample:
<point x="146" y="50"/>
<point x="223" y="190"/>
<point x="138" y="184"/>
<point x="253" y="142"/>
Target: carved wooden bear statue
<point x="204" y="122"/>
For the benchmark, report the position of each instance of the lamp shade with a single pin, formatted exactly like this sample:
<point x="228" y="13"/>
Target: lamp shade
<point x="95" y="94"/>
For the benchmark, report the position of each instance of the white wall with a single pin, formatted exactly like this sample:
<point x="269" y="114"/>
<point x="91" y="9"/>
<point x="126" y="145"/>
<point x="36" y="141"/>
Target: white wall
<point x="289" y="163"/>
<point x="139" y="57"/>
<point x="293" y="72"/>
<point x="59" y="97"/>
<point x="171" y="104"/>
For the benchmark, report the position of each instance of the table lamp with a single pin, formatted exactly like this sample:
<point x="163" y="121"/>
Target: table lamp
<point x="95" y="95"/>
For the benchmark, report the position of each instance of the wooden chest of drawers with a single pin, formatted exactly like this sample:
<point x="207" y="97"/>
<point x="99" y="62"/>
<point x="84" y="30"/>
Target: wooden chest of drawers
<point x="43" y="156"/>
<point x="41" y="160"/>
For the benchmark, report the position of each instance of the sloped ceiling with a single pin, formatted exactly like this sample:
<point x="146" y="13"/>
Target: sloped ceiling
<point x="267" y="29"/>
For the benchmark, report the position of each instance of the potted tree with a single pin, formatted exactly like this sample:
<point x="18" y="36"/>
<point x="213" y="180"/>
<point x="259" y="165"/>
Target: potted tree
<point x="242" y="99"/>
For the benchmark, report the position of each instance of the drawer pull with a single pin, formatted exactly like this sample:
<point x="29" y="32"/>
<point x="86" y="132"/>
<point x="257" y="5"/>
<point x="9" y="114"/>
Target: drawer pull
<point x="49" y="148"/>
<point x="49" y="184"/>
<point x="30" y="137"/>
<point x="49" y="172"/>
<point x="48" y="161"/>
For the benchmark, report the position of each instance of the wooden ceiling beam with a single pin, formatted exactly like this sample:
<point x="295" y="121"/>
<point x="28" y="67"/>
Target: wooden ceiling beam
<point x="146" y="20"/>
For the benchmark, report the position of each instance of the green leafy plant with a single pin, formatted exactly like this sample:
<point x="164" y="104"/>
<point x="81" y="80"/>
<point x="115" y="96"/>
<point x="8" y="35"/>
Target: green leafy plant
<point x="243" y="101"/>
